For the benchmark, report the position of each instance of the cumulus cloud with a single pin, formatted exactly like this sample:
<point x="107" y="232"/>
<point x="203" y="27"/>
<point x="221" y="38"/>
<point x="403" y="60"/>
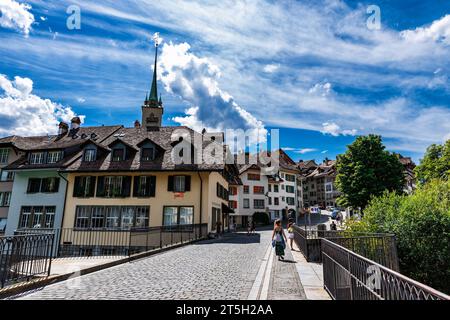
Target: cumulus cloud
<point x="194" y="79"/>
<point x="16" y="16"/>
<point x="335" y="130"/>
<point x="322" y="89"/>
<point x="26" y="114"/>
<point x="299" y="150"/>
<point x="438" y="31"/>
<point x="271" y="68"/>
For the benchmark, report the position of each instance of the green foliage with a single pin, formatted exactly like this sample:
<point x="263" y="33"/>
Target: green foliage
<point x="435" y="164"/>
<point x="421" y="223"/>
<point x="261" y="218"/>
<point x="367" y="170"/>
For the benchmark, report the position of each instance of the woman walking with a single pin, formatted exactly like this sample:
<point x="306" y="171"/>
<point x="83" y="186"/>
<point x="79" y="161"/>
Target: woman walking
<point x="290" y="229"/>
<point x="279" y="240"/>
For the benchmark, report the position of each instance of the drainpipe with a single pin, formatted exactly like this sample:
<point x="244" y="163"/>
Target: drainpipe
<point x="201" y="203"/>
<point x="58" y="234"/>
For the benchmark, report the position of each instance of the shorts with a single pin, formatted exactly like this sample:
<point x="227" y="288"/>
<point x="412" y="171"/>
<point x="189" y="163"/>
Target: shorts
<point x="290" y="236"/>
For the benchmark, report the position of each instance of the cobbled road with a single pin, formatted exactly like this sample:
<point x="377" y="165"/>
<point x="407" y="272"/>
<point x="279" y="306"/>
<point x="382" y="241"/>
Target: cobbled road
<point x="212" y="269"/>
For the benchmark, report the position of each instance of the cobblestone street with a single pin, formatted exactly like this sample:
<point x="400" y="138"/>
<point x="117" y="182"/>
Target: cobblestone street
<point x="213" y="269"/>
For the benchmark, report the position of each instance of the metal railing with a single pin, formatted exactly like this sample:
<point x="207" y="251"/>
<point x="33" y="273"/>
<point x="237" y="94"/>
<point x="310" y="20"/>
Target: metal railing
<point x="118" y="242"/>
<point x="381" y="248"/>
<point x="24" y="257"/>
<point x="350" y="276"/>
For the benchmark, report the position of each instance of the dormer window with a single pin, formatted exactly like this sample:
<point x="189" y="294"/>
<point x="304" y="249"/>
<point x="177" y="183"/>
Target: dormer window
<point x="4" y="153"/>
<point x="118" y="154"/>
<point x="148" y="154"/>
<point x="54" y="156"/>
<point x="37" y="158"/>
<point x="90" y="155"/>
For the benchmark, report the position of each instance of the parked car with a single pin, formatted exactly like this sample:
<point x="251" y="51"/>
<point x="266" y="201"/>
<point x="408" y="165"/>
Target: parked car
<point x="334" y="214"/>
<point x="315" y="210"/>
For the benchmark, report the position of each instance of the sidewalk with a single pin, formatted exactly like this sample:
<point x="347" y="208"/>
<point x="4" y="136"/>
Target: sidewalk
<point x="311" y="277"/>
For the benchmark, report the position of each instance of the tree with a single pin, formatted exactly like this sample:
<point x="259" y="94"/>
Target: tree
<point x="421" y="224"/>
<point x="435" y="164"/>
<point x="366" y="170"/>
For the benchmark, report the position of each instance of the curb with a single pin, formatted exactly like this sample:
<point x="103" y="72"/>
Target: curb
<point x="41" y="283"/>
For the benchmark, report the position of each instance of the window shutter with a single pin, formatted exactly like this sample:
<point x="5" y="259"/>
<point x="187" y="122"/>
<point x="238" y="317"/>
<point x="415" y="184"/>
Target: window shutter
<point x="136" y="187"/>
<point x="57" y="184"/>
<point x="218" y="190"/>
<point x="187" y="187"/>
<point x="152" y="190"/>
<point x="170" y="184"/>
<point x="101" y="187"/>
<point x="77" y="187"/>
<point x="126" y="186"/>
<point x="92" y="187"/>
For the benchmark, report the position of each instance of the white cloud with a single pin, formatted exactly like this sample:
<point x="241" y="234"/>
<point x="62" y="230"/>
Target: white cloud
<point x="335" y="130"/>
<point x="322" y="89"/>
<point x="194" y="79"/>
<point x="438" y="31"/>
<point x="16" y="16"/>
<point x="305" y="150"/>
<point x="271" y="68"/>
<point x="324" y="151"/>
<point x="23" y="113"/>
<point x="81" y="100"/>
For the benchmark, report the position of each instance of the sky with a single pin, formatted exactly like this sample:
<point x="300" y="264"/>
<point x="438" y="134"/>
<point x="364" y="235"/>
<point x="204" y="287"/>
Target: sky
<point x="322" y="72"/>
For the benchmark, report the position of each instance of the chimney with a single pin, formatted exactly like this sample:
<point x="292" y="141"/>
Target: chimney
<point x="63" y="128"/>
<point x="137" y="124"/>
<point x="75" y="123"/>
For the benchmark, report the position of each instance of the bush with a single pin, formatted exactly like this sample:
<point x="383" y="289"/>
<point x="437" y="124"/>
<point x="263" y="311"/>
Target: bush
<point x="421" y="223"/>
<point x="261" y="218"/>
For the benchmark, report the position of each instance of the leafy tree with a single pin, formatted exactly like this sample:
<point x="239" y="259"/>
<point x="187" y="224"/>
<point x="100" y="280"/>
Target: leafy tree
<point x="435" y="164"/>
<point x="367" y="170"/>
<point x="421" y="223"/>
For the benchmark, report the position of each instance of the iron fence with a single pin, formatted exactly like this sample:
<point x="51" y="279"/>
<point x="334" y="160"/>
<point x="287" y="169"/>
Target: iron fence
<point x="350" y="276"/>
<point x="118" y="242"/>
<point x="26" y="256"/>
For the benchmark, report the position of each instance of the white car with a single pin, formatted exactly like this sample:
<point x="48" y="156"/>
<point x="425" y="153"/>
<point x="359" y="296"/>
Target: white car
<point x="316" y="210"/>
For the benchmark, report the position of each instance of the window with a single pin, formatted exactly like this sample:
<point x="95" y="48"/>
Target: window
<point x="290" y="201"/>
<point x="270" y="188"/>
<point x="254" y="176"/>
<point x="276" y="201"/>
<point x="148" y="154"/>
<point x="276" y="188"/>
<point x="37" y="158"/>
<point x="90" y="155"/>
<point x="282" y="187"/>
<point x="246" y="189"/>
<point x="290" y="178"/>
<point x="118" y="154"/>
<point x="98" y="218"/>
<point x="54" y="156"/>
<point x="258" y="190"/>
<point x="5" y="199"/>
<point x="144" y="186"/>
<point x="37" y="217"/>
<point x="3" y="224"/>
<point x="84" y="187"/>
<point x="290" y="189"/>
<point x="233" y="204"/>
<point x="50" y="185"/>
<point x="246" y="203"/>
<point x="114" y="187"/>
<point x="111" y="217"/>
<point x="173" y="216"/>
<point x="258" y="204"/>
<point x="233" y="191"/>
<point x="222" y="192"/>
<point x="34" y="185"/>
<point x="329" y="187"/>
<point x="179" y="183"/>
<point x="270" y="201"/>
<point x="10" y="176"/>
<point x="4" y="153"/>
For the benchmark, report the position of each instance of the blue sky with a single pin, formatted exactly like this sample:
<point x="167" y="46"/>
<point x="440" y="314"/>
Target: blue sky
<point x="313" y="69"/>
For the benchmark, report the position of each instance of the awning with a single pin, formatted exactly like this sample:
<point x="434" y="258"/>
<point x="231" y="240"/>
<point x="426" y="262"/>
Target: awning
<point x="226" y="209"/>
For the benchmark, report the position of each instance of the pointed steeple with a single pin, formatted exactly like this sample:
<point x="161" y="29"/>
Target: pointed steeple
<point x="154" y="89"/>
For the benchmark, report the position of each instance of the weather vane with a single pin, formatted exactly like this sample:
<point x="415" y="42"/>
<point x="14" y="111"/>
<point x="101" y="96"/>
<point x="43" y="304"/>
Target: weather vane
<point x="157" y="39"/>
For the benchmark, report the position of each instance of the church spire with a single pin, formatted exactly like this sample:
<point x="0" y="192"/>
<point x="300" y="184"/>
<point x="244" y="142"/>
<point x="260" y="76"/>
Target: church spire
<point x="154" y="89"/>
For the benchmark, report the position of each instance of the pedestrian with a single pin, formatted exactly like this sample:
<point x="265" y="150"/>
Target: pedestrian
<point x="290" y="229"/>
<point x="279" y="240"/>
<point x="234" y="225"/>
<point x="249" y="228"/>
<point x="253" y="227"/>
<point x="333" y="226"/>
<point x="219" y="228"/>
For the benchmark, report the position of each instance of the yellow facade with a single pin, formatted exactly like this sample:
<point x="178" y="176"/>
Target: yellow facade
<point x="203" y="186"/>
